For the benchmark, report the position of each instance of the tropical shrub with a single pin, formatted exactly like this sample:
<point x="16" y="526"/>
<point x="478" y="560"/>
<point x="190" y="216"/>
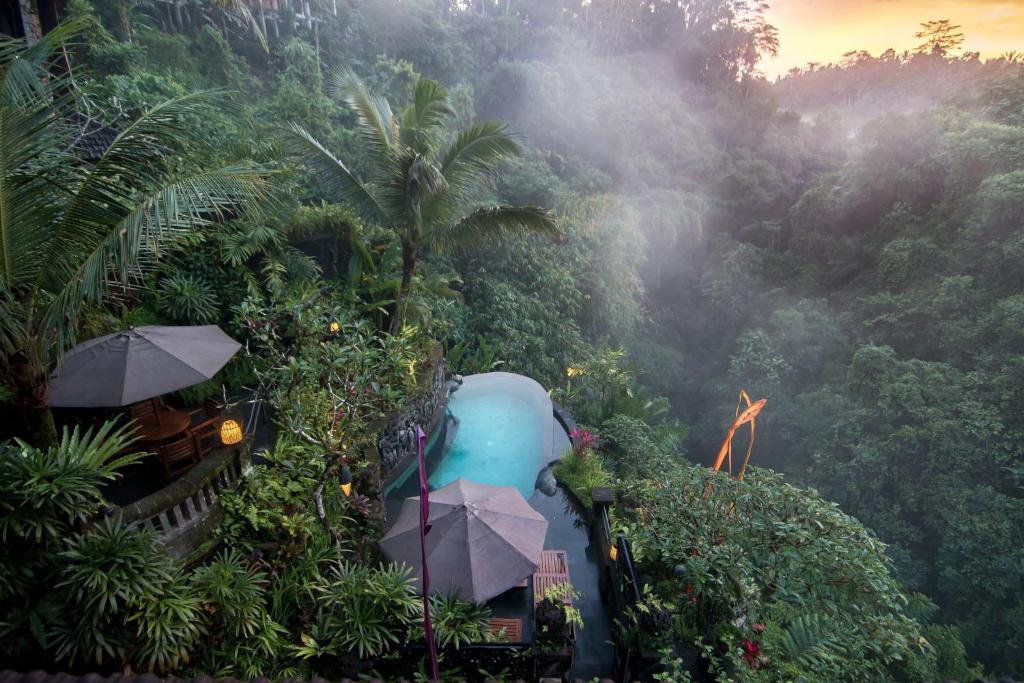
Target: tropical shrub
<point x="457" y="622"/>
<point x="773" y="581"/>
<point x="188" y="299"/>
<point x="77" y="590"/>
<point x="361" y="611"/>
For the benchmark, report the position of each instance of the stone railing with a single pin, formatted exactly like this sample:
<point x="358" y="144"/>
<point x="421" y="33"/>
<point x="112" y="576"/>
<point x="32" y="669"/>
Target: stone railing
<point x="396" y="438"/>
<point x="185" y="513"/>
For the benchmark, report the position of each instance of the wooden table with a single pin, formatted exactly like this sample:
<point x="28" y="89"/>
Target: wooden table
<point x="165" y="424"/>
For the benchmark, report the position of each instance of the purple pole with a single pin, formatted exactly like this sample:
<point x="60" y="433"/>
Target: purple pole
<point x="428" y="629"/>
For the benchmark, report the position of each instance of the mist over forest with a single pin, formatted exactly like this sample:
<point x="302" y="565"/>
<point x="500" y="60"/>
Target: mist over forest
<point x="845" y="241"/>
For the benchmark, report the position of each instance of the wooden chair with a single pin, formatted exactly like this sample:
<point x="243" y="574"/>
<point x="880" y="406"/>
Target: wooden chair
<point x="146" y="410"/>
<point x="205" y="425"/>
<point x="212" y="407"/>
<point x="178" y="456"/>
<point x="206" y="435"/>
<point x="507" y="630"/>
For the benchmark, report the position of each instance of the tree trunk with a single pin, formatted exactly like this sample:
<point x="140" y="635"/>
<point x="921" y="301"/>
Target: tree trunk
<point x="408" y="268"/>
<point x="30" y="24"/>
<point x="126" y="24"/>
<point x="30" y="383"/>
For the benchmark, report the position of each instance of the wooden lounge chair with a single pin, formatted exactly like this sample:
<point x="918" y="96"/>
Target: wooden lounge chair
<point x="507" y="630"/>
<point x="552" y="570"/>
<point x="553" y="562"/>
<point x="178" y="456"/>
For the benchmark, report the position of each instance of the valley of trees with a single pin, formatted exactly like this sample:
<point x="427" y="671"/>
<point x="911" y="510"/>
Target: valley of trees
<point x="847" y="242"/>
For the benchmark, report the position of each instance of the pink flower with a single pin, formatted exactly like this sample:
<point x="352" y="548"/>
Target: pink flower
<point x="583" y="439"/>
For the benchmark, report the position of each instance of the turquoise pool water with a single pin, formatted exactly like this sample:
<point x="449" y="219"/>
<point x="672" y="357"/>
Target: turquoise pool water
<point x="503" y="433"/>
<point x="499" y="439"/>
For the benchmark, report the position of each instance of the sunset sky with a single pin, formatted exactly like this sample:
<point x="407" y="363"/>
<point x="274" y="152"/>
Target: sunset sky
<point x="822" y="30"/>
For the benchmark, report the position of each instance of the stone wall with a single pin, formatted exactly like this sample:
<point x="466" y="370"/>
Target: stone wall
<point x="185" y="513"/>
<point x="396" y="440"/>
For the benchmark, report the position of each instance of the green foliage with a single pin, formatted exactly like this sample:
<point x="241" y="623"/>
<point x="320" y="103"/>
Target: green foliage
<point x="47" y="491"/>
<point x="420" y="184"/>
<point x="362" y="610"/>
<point x="110" y="577"/>
<point x="78" y="590"/>
<point x="188" y="299"/>
<point x="636" y="448"/>
<point x="605" y="386"/>
<point x="764" y="562"/>
<point x="79" y="228"/>
<point x="581" y="471"/>
<point x="459" y="622"/>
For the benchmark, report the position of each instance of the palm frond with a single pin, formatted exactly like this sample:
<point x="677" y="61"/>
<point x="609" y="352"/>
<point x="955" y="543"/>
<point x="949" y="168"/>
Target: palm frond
<point x="470" y="160"/>
<point x="241" y="8"/>
<point x="333" y="175"/>
<point x="31" y="160"/>
<point x="412" y="183"/>
<point x="480" y="147"/>
<point x="377" y="124"/>
<point x="25" y="76"/>
<point x="159" y="219"/>
<point x="490" y="222"/>
<point x="107" y="193"/>
<point x="430" y="110"/>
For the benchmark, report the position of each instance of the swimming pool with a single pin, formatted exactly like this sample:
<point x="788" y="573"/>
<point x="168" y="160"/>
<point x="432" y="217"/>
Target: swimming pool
<point x="503" y="434"/>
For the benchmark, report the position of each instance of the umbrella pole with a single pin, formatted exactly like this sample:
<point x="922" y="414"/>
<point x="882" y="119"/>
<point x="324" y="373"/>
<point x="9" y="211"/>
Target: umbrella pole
<point x="428" y="629"/>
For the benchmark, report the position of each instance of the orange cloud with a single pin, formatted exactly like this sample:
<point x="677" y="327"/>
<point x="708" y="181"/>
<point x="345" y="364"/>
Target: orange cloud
<point x="822" y="30"/>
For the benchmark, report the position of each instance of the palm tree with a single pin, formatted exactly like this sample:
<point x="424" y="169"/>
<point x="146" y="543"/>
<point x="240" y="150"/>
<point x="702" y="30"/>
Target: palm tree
<point x="424" y="182"/>
<point x="69" y="229"/>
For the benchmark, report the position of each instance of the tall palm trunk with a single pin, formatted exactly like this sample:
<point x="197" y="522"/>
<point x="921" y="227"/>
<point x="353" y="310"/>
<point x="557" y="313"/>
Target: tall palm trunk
<point x="126" y="24"/>
<point x="31" y="386"/>
<point x="408" y="268"/>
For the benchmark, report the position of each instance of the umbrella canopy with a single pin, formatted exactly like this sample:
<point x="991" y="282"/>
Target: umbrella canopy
<point x="482" y="539"/>
<point x="128" y="367"/>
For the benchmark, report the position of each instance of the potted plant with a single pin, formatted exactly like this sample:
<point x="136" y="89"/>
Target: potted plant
<point x="553" y="621"/>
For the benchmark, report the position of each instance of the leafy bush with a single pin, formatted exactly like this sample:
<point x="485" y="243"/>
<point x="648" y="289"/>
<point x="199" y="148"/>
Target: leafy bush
<point x="119" y="597"/>
<point x="73" y="593"/>
<point x="362" y="611"/>
<point x="580" y="472"/>
<point x="635" y="447"/>
<point x="779" y="581"/>
<point x="458" y="622"/>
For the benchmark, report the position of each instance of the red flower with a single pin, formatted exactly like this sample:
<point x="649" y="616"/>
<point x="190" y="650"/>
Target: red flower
<point x="751" y="651"/>
<point x="583" y="439"/>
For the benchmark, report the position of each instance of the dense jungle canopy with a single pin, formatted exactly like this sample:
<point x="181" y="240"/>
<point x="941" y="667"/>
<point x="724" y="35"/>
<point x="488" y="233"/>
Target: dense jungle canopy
<point x="846" y="241"/>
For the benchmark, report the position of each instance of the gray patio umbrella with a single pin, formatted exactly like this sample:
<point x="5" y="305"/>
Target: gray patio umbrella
<point x="144" y="362"/>
<point x="482" y="540"/>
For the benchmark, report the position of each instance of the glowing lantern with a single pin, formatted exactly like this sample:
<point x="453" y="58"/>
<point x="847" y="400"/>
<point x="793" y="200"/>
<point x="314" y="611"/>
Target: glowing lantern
<point x="230" y="428"/>
<point x="230" y="431"/>
<point x="345" y="478"/>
